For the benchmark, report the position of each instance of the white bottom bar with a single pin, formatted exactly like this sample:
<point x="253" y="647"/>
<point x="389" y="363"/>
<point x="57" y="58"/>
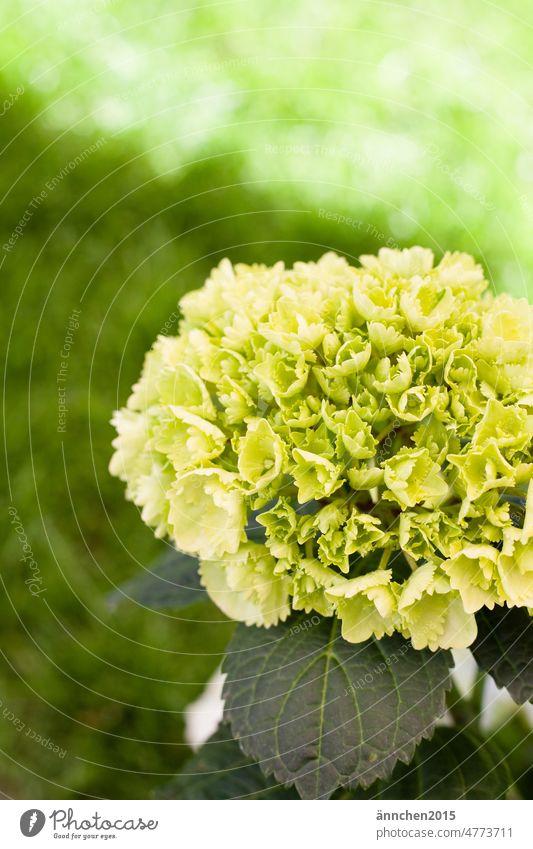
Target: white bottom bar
<point x="252" y="825"/>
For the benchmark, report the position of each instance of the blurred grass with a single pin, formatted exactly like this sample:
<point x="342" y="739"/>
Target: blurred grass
<point x="108" y="688"/>
<point x="235" y="129"/>
<point x="411" y="117"/>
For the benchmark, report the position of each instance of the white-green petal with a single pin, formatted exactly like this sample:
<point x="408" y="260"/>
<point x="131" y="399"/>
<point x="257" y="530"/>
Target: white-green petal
<point x="207" y="512"/>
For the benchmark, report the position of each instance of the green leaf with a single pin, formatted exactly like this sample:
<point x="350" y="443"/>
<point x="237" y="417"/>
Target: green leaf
<point x="221" y="771"/>
<point x="319" y="712"/>
<point x="504" y="648"/>
<point x="452" y="765"/>
<point x="171" y="582"/>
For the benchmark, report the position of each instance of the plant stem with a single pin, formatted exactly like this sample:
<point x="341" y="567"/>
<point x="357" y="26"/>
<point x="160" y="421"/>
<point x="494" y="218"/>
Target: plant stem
<point x="476" y="697"/>
<point x="411" y="560"/>
<point x="385" y="558"/>
<point x="385" y="432"/>
<point x="465" y="712"/>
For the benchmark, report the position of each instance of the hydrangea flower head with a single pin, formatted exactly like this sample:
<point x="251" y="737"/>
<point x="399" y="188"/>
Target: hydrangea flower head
<point x="355" y="441"/>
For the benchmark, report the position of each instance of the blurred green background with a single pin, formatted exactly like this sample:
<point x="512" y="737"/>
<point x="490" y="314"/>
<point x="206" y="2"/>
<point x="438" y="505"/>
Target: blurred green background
<point x="140" y="143"/>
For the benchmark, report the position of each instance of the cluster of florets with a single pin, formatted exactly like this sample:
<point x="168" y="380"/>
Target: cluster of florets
<point x="351" y="441"/>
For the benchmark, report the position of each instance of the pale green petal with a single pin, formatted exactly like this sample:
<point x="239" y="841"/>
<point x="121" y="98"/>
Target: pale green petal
<point x="262" y="454"/>
<point x="187" y="439"/>
<point x="151" y="493"/>
<point x="352" y="357"/>
<point x="527" y="531"/>
<point x="365" y="478"/>
<point x="314" y="476"/>
<point x="516" y="576"/>
<point x="460" y="628"/>
<point x="405" y="263"/>
<point x="245" y="586"/>
<point x="207" y="513"/>
<point x="425" y="306"/>
<point x="416" y="403"/>
<point x="282" y="377"/>
<point x="507" y="330"/>
<point x="508" y="426"/>
<point x="412" y="477"/>
<point x="395" y="378"/>
<point x="132" y="456"/>
<point x="182" y="387"/>
<point x="231" y="602"/>
<point x="432" y="615"/>
<point x="363" y="532"/>
<point x="311" y="581"/>
<point x="366" y="606"/>
<point x="473" y="573"/>
<point x="482" y="469"/>
<point x="386" y="339"/>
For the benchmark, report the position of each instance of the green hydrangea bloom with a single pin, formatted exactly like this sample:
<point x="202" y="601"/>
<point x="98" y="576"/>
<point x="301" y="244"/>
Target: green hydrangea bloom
<point x="374" y="423"/>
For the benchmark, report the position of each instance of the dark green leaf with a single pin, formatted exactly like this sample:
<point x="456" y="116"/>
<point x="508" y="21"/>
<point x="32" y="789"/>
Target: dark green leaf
<point x="171" y="582"/>
<point x="504" y="648"/>
<point x="321" y="713"/>
<point x="452" y="765"/>
<point x="221" y="771"/>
